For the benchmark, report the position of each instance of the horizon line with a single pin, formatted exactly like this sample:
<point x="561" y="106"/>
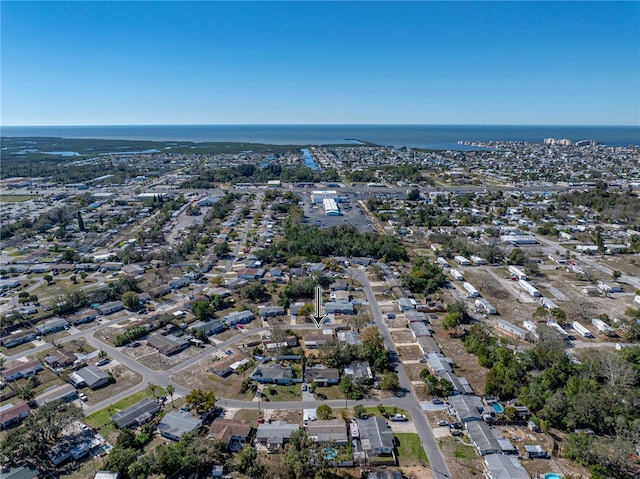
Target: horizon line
<point x="326" y="124"/>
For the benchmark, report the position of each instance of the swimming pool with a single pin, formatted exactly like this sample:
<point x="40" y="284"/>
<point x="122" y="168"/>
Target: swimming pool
<point x="551" y="475"/>
<point x="329" y="453"/>
<point x="497" y="407"/>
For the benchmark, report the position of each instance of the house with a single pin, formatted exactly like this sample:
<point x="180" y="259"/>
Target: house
<point x="499" y="466"/>
<point x="52" y="326"/>
<point x="21" y="472"/>
<point x="339" y="285"/>
<point x="406" y="304"/>
<point x="176" y="424"/>
<point x="437" y="362"/>
<point x="482" y="438"/>
<point x="236" y="317"/>
<point x="85" y="316"/>
<point x="251" y="274"/>
<point x="60" y="358"/>
<point x="385" y="474"/>
<point x="273" y="374"/>
<point x="419" y="329"/>
<point x="535" y="452"/>
<point x="467" y="408"/>
<point x="106" y="475"/>
<point x="208" y="201"/>
<point x="359" y="372"/>
<point x="231" y="431"/>
<point x="229" y="364"/>
<point x="271" y="344"/>
<point x="275" y="435"/>
<point x="180" y="282"/>
<point x="22" y="369"/>
<point x="209" y="328"/>
<point x="93" y="377"/>
<point x="328" y="431"/>
<point x="376" y="440"/>
<point x="341" y="308"/>
<point x="16" y="338"/>
<point x="321" y="375"/>
<point x="110" y="308"/>
<point x="314" y="341"/>
<point x="340" y="296"/>
<point x="64" y="393"/>
<point x="136" y="415"/>
<point x="350" y="337"/>
<point x="11" y="415"/>
<point x="168" y="344"/>
<point x="270" y="311"/>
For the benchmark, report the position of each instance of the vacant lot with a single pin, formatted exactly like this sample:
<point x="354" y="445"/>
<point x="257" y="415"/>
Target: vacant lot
<point x="198" y="376"/>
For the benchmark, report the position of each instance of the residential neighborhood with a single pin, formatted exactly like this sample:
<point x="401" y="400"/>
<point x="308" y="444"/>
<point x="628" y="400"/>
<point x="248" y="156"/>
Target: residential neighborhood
<point x="471" y="303"/>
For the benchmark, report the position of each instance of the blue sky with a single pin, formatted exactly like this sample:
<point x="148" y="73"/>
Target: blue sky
<point x="109" y="63"/>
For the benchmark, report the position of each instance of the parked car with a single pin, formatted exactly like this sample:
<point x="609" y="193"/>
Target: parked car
<point x="82" y="396"/>
<point x="437" y="401"/>
<point x="442" y="422"/>
<point x="399" y="418"/>
<point x="102" y="362"/>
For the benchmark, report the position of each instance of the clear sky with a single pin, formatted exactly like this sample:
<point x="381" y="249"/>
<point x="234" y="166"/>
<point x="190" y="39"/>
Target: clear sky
<point x="110" y="63"/>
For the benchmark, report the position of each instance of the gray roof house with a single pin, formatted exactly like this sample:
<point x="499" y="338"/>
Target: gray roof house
<point x="273" y="374"/>
<point x="93" y="377"/>
<point x="137" y="414"/>
<point x="52" y="326"/>
<point x="321" y="375"/>
<point x="65" y="392"/>
<point x="467" y="408"/>
<point x="376" y="440"/>
<point x="499" y="466"/>
<point x="236" y="317"/>
<point x="176" y="424"/>
<point x="343" y="308"/>
<point x="359" y="372"/>
<point x="110" y="308"/>
<point x="168" y="344"/>
<point x="482" y="438"/>
<point x="270" y="311"/>
<point x="209" y="327"/>
<point x="275" y="434"/>
<point x="329" y="430"/>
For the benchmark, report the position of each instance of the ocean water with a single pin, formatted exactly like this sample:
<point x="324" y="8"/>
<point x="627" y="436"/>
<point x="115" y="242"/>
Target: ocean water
<point x="424" y="136"/>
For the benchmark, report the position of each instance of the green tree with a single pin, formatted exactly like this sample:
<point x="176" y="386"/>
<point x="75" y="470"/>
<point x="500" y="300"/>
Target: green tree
<point x="202" y="401"/>
<point x="131" y="300"/>
<point x="201" y="309"/>
<point x="389" y="382"/>
<point x="48" y="278"/>
<point x="221" y="249"/>
<point x="324" y="412"/>
<point x="170" y="390"/>
<point x="80" y="222"/>
<point x="359" y="411"/>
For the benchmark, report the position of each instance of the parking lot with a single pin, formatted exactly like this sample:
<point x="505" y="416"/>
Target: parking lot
<point x="351" y="214"/>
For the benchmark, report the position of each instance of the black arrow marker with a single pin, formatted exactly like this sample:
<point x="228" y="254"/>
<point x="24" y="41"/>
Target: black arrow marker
<point x="318" y="317"/>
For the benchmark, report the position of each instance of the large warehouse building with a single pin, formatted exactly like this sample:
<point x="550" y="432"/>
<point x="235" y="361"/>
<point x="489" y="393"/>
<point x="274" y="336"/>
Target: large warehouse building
<point x="331" y="207"/>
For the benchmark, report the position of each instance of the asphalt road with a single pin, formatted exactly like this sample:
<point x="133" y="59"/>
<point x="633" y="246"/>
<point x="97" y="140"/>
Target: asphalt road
<point x="437" y="461"/>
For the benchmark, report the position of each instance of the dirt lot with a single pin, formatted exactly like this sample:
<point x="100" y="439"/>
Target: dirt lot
<point x="409" y="352"/>
<point x="199" y="376"/>
<point x="403" y="336"/>
<point x="153" y="359"/>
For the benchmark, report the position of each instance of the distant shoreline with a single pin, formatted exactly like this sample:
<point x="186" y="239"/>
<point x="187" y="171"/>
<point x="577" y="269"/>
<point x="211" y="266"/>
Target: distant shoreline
<point x="436" y="137"/>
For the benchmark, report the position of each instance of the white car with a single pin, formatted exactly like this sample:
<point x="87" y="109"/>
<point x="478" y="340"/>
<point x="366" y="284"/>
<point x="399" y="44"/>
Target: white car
<point x="82" y="396"/>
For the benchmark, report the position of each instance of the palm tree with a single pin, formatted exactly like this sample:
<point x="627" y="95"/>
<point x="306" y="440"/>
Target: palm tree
<point x="171" y="390"/>
<point x="153" y="387"/>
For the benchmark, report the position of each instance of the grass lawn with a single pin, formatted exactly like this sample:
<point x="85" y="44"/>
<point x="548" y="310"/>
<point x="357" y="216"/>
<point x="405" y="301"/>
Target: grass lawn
<point x="409" y="448"/>
<point x="390" y="410"/>
<point x="329" y="392"/>
<point x="102" y="419"/>
<point x="292" y="392"/>
<point x="246" y="415"/>
<point x="15" y="198"/>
